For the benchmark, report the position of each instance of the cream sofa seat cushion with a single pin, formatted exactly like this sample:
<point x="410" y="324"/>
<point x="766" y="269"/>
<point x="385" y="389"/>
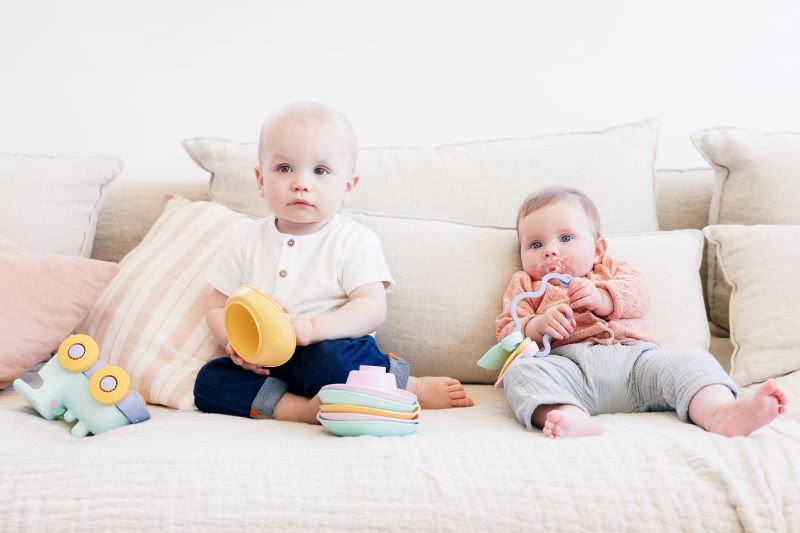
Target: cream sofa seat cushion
<point x="478" y="182"/>
<point x="451" y="278"/>
<point x="757" y="181"/>
<point x="50" y="204"/>
<point x="760" y="262"/>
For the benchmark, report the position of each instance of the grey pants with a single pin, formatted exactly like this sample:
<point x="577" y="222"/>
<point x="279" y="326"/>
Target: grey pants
<point x="613" y="378"/>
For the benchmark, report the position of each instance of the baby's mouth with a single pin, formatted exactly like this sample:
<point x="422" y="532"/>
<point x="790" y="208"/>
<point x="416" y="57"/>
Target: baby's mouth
<point x="552" y="268"/>
<point x="301" y="202"/>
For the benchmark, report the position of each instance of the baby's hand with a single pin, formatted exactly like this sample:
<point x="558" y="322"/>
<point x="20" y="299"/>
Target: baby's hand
<point x="554" y="322"/>
<point x="302" y="327"/>
<point x="261" y="371"/>
<point x="583" y="293"/>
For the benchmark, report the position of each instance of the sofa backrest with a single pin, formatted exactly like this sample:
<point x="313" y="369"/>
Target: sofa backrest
<point x="682" y="201"/>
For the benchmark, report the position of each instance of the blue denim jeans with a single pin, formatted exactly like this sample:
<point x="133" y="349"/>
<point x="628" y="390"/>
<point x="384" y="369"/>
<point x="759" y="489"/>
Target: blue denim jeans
<point x="224" y="387"/>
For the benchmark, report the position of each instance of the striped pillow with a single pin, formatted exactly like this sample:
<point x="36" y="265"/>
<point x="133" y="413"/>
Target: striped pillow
<point x="150" y="320"/>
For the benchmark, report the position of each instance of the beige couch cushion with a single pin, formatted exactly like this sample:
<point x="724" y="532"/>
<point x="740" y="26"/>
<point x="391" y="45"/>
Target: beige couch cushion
<point x="131" y="208"/>
<point x="479" y="182"/>
<point x="759" y="262"/>
<point x="50" y="204"/>
<point x="682" y="200"/>
<point x="756" y="183"/>
<point x="683" y="197"/>
<point x="451" y="278"/>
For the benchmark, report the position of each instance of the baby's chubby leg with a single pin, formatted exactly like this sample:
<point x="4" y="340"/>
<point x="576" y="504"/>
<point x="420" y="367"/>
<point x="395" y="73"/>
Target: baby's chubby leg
<point x="294" y="408"/>
<point x="547" y="393"/>
<point x="439" y="392"/>
<point x="292" y="395"/>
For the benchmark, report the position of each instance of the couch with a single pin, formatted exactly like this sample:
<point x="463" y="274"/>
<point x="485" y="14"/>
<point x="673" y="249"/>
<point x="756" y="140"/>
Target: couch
<point x="443" y="215"/>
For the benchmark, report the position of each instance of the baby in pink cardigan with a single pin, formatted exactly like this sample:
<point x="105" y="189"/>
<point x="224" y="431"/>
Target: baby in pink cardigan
<point x="604" y="358"/>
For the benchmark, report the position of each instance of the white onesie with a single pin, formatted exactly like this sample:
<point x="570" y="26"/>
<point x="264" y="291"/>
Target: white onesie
<point x="311" y="274"/>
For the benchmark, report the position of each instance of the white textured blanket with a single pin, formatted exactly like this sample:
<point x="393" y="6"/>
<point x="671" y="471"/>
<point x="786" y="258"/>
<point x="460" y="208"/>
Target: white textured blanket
<point x="473" y="469"/>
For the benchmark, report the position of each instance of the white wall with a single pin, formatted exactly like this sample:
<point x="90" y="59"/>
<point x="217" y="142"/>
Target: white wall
<point x="132" y="79"/>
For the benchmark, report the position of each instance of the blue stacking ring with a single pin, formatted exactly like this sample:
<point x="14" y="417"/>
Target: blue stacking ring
<point x="563" y="279"/>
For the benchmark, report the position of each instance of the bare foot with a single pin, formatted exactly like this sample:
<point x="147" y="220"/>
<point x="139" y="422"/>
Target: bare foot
<point x="570" y="423"/>
<point x="439" y="392"/>
<point x="748" y="413"/>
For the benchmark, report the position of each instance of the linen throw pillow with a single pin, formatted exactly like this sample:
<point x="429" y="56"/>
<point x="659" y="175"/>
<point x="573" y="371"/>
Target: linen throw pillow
<point x="756" y="182"/>
<point x="150" y="320"/>
<point x="451" y="278"/>
<point x="475" y="183"/>
<point x="44" y="296"/>
<point x="760" y="263"/>
<point x="50" y="204"/>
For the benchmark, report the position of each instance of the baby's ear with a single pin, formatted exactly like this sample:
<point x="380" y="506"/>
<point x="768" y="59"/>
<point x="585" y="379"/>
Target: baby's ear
<point x="600" y="248"/>
<point x="259" y="181"/>
<point x="350" y="185"/>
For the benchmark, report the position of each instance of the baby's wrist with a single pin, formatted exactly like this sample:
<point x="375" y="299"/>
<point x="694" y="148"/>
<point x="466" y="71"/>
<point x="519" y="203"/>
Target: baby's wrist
<point x="607" y="307"/>
<point x="532" y="328"/>
<point x="311" y="332"/>
<point x="528" y="327"/>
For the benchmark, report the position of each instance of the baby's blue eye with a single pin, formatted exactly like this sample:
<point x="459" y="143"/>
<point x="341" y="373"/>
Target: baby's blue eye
<point x="283" y="169"/>
<point x="566" y="238"/>
<point x="319" y="171"/>
<point x="536" y="245"/>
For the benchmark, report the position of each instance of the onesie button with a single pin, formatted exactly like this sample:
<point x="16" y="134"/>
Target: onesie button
<point x="282" y="273"/>
<point x="290" y="242"/>
<point x="606" y="334"/>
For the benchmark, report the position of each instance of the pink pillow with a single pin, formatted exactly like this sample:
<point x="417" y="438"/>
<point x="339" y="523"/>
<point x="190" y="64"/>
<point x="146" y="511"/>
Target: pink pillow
<point x="7" y="246"/>
<point x="44" y="297"/>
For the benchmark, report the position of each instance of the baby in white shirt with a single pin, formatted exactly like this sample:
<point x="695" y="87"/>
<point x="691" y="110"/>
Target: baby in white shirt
<point x="327" y="270"/>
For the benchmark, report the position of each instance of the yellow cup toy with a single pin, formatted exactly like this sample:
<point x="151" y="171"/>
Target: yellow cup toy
<point x="258" y="329"/>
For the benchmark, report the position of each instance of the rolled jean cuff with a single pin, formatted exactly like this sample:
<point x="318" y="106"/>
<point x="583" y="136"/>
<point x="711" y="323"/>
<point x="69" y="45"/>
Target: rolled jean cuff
<point x="401" y="370"/>
<point x="268" y="396"/>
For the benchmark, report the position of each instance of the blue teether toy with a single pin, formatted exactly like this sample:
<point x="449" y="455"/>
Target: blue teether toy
<point x="516" y="346"/>
<point x="77" y="385"/>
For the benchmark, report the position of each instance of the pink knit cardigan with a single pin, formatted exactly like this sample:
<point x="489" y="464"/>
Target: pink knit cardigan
<point x="625" y="324"/>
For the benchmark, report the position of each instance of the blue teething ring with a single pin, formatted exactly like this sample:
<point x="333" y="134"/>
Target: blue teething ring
<point x="564" y="280"/>
<point x="497" y="357"/>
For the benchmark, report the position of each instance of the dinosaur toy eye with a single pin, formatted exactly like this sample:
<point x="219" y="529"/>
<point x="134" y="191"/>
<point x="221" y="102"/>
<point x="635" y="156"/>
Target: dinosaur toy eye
<point x="78" y="353"/>
<point x="109" y="385"/>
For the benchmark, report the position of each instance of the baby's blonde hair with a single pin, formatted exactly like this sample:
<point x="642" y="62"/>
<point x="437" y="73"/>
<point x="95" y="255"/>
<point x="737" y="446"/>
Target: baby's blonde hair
<point x="314" y="112"/>
<point x="552" y="195"/>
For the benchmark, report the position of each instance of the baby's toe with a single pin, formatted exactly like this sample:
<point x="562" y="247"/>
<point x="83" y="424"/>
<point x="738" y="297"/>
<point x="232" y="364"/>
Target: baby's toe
<point x="555" y="416"/>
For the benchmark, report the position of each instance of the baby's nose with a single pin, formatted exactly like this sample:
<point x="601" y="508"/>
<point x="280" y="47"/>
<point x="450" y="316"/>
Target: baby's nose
<point x="299" y="184"/>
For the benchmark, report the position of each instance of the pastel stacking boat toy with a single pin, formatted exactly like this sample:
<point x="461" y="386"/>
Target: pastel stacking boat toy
<point x="368" y="404"/>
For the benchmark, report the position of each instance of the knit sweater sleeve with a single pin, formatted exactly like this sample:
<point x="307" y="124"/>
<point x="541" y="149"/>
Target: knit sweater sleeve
<point x="626" y="285"/>
<point x="526" y="310"/>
